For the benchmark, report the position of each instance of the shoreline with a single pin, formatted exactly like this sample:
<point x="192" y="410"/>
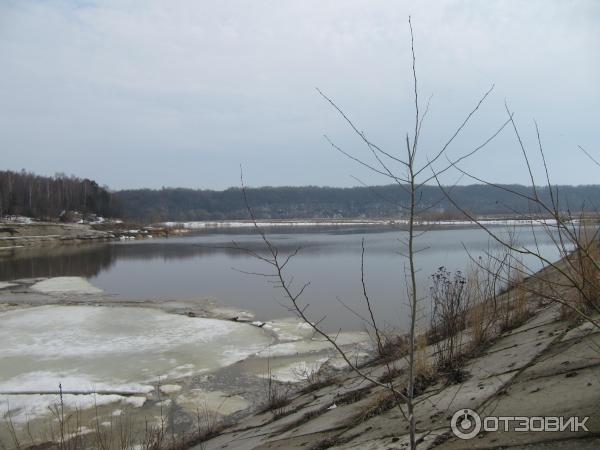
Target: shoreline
<point x="20" y="235"/>
<point x="36" y="234"/>
<point x="216" y="224"/>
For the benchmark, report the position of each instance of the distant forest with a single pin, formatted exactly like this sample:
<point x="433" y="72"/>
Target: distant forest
<point x="326" y="202"/>
<point x="24" y="193"/>
<point x="27" y="194"/>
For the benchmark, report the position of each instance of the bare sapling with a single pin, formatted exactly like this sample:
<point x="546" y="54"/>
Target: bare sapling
<point x="410" y="171"/>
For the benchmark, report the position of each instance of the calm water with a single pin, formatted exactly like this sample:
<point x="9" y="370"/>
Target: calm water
<point x="201" y="266"/>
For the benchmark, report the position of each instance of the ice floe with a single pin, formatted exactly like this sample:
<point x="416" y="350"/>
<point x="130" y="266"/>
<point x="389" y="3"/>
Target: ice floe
<point x="113" y="351"/>
<point x="22" y="408"/>
<point x="67" y="285"/>
<point x="313" y="345"/>
<point x="289" y="329"/>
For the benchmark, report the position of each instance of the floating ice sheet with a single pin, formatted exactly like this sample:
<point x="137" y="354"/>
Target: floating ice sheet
<point x="113" y="350"/>
<point x="60" y="285"/>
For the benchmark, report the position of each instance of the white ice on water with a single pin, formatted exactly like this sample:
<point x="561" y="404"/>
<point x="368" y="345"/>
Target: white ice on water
<point x="111" y="349"/>
<point x="25" y="407"/>
<point x="66" y="285"/>
<point x="305" y="352"/>
<point x="289" y="329"/>
<point x="317" y="344"/>
<point x="317" y="223"/>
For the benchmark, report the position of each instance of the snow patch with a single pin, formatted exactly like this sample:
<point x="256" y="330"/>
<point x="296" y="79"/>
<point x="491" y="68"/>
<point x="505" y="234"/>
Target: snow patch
<point x="17" y="219"/>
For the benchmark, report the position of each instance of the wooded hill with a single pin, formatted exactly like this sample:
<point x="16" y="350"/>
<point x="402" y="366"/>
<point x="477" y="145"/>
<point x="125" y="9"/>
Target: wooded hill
<point x="179" y="204"/>
<point x="24" y="193"/>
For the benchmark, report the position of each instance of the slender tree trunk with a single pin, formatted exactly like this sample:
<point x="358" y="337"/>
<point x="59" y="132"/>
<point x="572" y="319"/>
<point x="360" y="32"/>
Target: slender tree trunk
<point x="413" y="301"/>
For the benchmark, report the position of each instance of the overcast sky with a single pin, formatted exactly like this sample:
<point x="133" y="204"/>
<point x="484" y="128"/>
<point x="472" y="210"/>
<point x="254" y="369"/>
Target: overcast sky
<point x="151" y="93"/>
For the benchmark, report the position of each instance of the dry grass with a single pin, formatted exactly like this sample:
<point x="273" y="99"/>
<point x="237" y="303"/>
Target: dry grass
<point x="521" y="311"/>
<point x="392" y="372"/>
<point x="423" y="365"/>
<point x="314" y="380"/>
<point x="383" y="401"/>
<point x="66" y="430"/>
<point x="514" y="308"/>
<point x="277" y="394"/>
<point x="584" y="263"/>
<point x="352" y="396"/>
<point x="483" y="314"/>
<point x="480" y="321"/>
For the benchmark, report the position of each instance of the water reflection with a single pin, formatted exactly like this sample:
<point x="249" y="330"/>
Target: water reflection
<point x="85" y="260"/>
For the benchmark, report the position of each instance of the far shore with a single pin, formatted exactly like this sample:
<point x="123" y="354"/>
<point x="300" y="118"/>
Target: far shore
<point x="15" y="235"/>
<point x="325" y="222"/>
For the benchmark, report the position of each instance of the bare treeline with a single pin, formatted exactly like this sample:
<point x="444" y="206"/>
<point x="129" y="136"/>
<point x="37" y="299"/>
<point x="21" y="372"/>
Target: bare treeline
<point x="28" y="194"/>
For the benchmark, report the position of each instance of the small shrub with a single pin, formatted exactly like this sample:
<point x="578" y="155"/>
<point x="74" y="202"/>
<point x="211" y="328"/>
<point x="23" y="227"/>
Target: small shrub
<point x="450" y="303"/>
<point x="392" y="347"/>
<point x="314" y="379"/>
<point x="392" y="372"/>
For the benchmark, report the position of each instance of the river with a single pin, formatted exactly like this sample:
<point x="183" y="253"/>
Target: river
<point x="205" y="266"/>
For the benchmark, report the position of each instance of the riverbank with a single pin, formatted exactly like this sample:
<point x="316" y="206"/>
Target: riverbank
<point x="33" y="233"/>
<point x="15" y="235"/>
<point x="545" y="367"/>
